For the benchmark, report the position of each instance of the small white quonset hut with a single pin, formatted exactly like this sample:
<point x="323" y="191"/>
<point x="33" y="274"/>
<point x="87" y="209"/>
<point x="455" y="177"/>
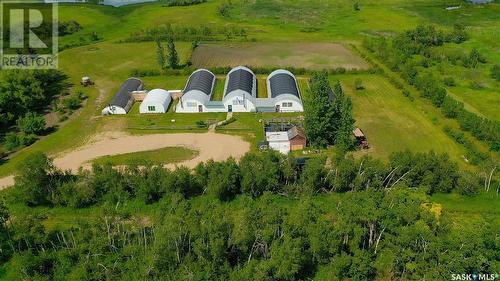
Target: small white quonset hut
<point x="123" y="99"/>
<point x="156" y="101"/>
<point x="283" y="89"/>
<point x="240" y="90"/>
<point x="198" y="92"/>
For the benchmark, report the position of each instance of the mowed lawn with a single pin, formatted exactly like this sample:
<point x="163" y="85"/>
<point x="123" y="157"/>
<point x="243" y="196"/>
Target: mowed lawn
<point x="299" y="55"/>
<point x="392" y="122"/>
<point x="167" y="155"/>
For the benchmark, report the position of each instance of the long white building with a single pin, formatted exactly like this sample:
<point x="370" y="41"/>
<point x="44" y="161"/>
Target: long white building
<point x="240" y="93"/>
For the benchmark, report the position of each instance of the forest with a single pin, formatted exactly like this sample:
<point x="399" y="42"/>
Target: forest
<point x="266" y="217"/>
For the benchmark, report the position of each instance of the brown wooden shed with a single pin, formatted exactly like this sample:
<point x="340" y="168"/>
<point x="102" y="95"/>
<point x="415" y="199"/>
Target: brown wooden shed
<point x="298" y="140"/>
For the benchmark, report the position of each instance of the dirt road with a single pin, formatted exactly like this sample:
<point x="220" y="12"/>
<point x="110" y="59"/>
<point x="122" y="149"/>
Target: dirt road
<point x="210" y="146"/>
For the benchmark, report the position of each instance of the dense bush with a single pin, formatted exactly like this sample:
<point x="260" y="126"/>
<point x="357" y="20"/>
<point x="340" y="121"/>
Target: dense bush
<point x="172" y="3"/>
<point x="379" y="226"/>
<point x="188" y="33"/>
<point x="68" y="27"/>
<point x="31" y="123"/>
<point x="42" y="184"/>
<point x="28" y="91"/>
<point x="329" y="118"/>
<point x="495" y="72"/>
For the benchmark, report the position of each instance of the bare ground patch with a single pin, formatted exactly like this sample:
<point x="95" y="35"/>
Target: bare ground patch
<point x="214" y="146"/>
<point x="314" y="56"/>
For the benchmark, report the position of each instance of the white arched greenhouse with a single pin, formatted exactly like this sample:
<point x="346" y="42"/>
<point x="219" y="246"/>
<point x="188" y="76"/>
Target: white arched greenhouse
<point x="283" y="89"/>
<point x="240" y="90"/>
<point x="123" y="100"/>
<point x="156" y="101"/>
<point x="198" y="92"/>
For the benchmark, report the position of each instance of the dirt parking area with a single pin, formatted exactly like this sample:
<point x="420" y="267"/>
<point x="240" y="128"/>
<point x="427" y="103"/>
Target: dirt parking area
<point x="210" y="145"/>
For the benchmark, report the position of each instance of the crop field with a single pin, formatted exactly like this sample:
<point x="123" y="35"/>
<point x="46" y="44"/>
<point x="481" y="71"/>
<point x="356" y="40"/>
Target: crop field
<point x="316" y="56"/>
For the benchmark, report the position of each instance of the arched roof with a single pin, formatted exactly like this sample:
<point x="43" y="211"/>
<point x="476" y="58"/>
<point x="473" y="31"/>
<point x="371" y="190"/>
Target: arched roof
<point x="122" y="97"/>
<point x="157" y="96"/>
<point x="240" y="78"/>
<point x="201" y="80"/>
<point x="282" y="82"/>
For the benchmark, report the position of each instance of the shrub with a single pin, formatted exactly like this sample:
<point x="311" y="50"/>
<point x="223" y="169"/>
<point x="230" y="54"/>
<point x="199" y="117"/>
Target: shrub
<point x="201" y="124"/>
<point x="358" y="84"/>
<point x="11" y="141"/>
<point x="27" y="139"/>
<point x="449" y="81"/>
<point x="31" y="123"/>
<point x="495" y="72"/>
<point x="468" y="184"/>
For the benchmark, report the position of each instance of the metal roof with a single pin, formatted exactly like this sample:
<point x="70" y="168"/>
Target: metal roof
<point x="283" y="83"/>
<point x="240" y="79"/>
<point x="201" y="80"/>
<point x="123" y="96"/>
<point x="157" y="96"/>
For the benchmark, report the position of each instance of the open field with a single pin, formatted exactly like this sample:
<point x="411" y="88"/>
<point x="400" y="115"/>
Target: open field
<point x="162" y="156"/>
<point x="391" y="122"/>
<point x="299" y="55"/>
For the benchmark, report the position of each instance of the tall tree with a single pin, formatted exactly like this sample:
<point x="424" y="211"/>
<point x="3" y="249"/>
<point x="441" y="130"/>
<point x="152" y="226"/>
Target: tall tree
<point x="173" y="58"/>
<point x="160" y="54"/>
<point x="343" y="119"/>
<point x="319" y="120"/>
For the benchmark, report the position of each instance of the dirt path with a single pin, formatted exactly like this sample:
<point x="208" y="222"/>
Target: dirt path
<point x="210" y="146"/>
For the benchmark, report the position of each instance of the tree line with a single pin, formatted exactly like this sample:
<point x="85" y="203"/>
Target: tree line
<point x="40" y="183"/>
<point x="263" y="218"/>
<point x="24" y="97"/>
<point x="411" y="52"/>
<point x="189" y="33"/>
<point x="328" y="114"/>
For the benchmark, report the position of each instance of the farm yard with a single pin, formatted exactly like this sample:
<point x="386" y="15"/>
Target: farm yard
<point x="315" y="56"/>
<point x="434" y="172"/>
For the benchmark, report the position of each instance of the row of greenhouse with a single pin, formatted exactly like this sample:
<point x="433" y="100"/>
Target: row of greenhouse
<point x="240" y="94"/>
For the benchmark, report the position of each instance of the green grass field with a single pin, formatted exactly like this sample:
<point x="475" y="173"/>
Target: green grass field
<point x="167" y="155"/>
<point x="111" y="62"/>
<point x="392" y="122"/>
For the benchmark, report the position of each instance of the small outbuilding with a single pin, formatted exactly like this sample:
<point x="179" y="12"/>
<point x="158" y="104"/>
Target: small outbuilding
<point x="156" y="101"/>
<point x="284" y="90"/>
<point x="298" y="140"/>
<point x="240" y="90"/>
<point x="123" y="100"/>
<point x="284" y="140"/>
<point x="360" y="138"/>
<point x="198" y="92"/>
<point x="278" y="141"/>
